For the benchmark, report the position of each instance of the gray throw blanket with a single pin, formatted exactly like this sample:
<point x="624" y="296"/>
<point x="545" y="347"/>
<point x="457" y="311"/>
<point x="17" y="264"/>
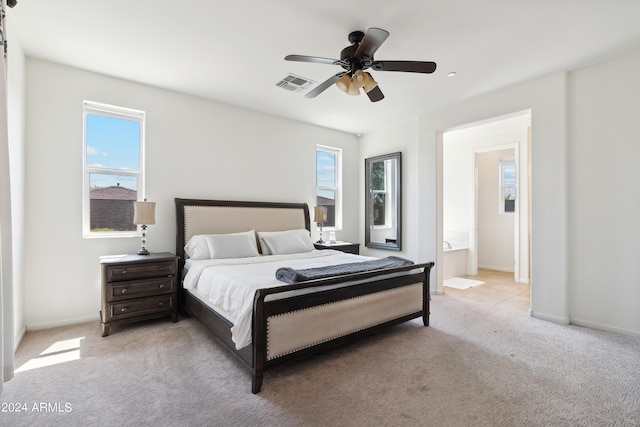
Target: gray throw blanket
<point x="291" y="275"/>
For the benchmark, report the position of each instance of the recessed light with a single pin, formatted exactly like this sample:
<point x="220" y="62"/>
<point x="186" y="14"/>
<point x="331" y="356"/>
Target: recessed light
<point x="451" y="74"/>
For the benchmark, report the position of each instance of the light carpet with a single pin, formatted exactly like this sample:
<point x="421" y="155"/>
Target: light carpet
<point x="461" y="283"/>
<point x="476" y="365"/>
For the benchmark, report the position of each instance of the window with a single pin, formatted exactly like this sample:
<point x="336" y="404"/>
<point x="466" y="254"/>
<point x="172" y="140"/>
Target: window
<point x="113" y="153"/>
<point x="329" y="184"/>
<point x="508" y="185"/>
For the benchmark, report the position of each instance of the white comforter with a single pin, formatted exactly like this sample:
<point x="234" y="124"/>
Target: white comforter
<point x="230" y="284"/>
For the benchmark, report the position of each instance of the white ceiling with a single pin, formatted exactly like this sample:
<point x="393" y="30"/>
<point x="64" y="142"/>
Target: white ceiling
<point x="233" y="51"/>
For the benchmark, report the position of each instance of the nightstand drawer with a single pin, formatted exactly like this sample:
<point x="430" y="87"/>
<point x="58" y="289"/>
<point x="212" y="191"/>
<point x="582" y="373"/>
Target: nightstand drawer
<point x="142" y="307"/>
<point x="140" y="270"/>
<point x="140" y="288"/>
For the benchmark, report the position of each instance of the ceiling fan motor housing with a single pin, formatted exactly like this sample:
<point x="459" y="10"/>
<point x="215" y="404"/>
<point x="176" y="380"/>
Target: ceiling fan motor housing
<point x="348" y="54"/>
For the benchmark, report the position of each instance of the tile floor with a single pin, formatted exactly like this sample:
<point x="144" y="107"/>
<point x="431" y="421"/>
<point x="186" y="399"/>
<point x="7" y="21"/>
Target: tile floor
<point x="499" y="288"/>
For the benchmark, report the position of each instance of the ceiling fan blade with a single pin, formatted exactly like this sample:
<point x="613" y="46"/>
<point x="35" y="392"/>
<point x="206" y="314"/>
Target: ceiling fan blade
<point x="405" y="66"/>
<point x="314" y="59"/>
<point x="324" y="85"/>
<point x="372" y="40"/>
<point x="375" y="94"/>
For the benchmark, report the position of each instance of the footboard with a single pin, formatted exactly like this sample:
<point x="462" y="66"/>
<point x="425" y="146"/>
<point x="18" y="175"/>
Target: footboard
<point x="338" y="311"/>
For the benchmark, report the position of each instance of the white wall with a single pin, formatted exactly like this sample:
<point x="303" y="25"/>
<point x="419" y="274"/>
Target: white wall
<point x="194" y="148"/>
<point x="16" y="128"/>
<point x="604" y="215"/>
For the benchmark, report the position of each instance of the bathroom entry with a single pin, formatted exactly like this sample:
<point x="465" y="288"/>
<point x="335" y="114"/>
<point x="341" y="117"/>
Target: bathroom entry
<point x="463" y="205"/>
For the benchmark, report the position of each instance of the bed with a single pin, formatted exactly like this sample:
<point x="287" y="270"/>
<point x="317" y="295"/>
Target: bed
<point x="286" y="321"/>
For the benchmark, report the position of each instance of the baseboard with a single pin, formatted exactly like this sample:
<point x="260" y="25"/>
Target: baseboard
<point x="66" y="322"/>
<point x="18" y="339"/>
<point x="550" y="318"/>
<point x="602" y="327"/>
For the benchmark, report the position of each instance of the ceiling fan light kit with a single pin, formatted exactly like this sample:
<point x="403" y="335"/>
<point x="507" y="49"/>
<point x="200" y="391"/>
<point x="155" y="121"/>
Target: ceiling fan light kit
<point x="360" y="80"/>
<point x="357" y="58"/>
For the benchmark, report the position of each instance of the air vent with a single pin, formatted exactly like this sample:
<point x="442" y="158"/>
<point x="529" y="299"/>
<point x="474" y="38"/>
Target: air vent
<point x="294" y="83"/>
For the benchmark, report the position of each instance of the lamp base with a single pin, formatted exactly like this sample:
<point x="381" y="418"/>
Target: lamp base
<point x="320" y="241"/>
<point x="144" y="251"/>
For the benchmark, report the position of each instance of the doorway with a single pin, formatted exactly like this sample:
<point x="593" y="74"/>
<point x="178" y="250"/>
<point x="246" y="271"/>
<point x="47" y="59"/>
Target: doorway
<point x="496" y="214"/>
<point x="463" y="204"/>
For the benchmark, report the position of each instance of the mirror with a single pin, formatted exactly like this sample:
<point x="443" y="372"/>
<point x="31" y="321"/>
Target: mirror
<point x="383" y="208"/>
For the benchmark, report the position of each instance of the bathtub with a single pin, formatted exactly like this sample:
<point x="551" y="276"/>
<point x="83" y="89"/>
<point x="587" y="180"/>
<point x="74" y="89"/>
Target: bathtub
<point x="455" y="254"/>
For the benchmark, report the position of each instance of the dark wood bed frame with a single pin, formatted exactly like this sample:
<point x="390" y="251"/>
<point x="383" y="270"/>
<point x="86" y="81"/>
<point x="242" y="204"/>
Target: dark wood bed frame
<point x="254" y="357"/>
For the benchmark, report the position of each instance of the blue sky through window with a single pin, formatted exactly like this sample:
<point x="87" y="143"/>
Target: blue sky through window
<point x="326" y="172"/>
<point x="112" y="143"/>
<point x="509" y="174"/>
<point x="509" y="180"/>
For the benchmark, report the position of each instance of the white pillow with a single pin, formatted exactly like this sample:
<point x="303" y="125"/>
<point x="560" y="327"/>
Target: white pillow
<point x="282" y="244"/>
<point x="212" y="246"/>
<point x="197" y="247"/>
<point x="232" y="245"/>
<point x="303" y="233"/>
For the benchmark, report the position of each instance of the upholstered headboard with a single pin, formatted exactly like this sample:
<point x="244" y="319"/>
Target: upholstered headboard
<point x="197" y="216"/>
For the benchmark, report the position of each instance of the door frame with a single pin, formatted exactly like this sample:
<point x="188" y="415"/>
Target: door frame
<point x="473" y="259"/>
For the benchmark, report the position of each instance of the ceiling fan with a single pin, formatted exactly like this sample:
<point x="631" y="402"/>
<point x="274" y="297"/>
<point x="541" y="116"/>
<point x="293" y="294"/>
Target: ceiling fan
<point x="357" y="58"/>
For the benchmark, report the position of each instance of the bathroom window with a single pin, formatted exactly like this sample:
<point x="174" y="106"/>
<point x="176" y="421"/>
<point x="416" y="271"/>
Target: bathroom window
<point x="507" y="186"/>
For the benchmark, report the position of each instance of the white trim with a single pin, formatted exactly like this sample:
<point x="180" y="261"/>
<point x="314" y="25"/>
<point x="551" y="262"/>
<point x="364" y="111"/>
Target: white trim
<point x="603" y="327"/>
<point x="65" y="322"/>
<point x="549" y="317"/>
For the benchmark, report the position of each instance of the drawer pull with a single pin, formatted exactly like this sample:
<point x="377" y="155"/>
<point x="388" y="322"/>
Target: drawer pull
<point x="124" y="290"/>
<point x="124" y="272"/>
<point x="162" y="286"/>
<point x="123" y="309"/>
<point x="159" y="304"/>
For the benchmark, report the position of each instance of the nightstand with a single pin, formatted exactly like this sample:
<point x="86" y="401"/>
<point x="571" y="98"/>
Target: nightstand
<point x="350" y="248"/>
<point x="138" y="287"/>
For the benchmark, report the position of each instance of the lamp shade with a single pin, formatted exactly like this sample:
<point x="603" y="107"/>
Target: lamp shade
<point x="344" y="82"/>
<point x="144" y="213"/>
<point x="320" y="214"/>
<point x="353" y="89"/>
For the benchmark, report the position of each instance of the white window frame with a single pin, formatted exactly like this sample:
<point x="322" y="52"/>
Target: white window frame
<point x="338" y="182"/>
<point x="90" y="107"/>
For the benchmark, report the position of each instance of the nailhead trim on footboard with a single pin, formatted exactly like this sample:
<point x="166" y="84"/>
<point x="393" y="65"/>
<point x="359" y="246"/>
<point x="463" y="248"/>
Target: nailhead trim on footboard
<point x="300" y="329"/>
